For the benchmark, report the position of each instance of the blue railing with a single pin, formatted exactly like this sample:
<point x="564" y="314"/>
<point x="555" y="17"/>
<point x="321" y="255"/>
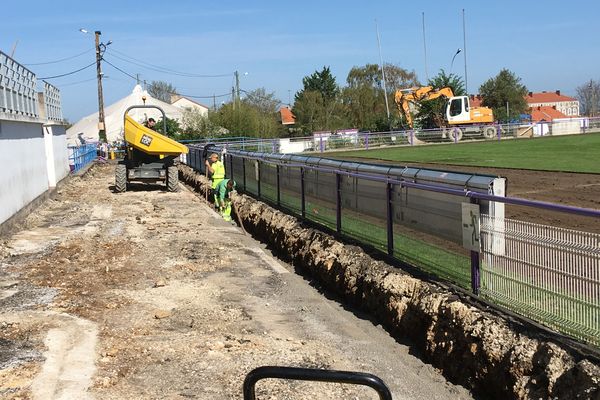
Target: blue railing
<point x="80" y="156"/>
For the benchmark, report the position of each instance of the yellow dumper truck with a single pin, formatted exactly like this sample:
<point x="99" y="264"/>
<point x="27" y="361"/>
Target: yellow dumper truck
<point x="149" y="157"/>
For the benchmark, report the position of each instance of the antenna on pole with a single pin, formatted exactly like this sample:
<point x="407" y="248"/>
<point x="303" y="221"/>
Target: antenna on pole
<point x="387" y="107"/>
<point x="425" y="47"/>
<point x="12" y="53"/>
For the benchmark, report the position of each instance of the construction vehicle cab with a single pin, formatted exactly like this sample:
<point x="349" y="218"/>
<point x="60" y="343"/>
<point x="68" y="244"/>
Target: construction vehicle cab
<point x="150" y="157"/>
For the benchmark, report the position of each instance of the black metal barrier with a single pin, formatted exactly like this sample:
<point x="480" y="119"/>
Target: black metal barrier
<point x="318" y="375"/>
<point x="367" y="202"/>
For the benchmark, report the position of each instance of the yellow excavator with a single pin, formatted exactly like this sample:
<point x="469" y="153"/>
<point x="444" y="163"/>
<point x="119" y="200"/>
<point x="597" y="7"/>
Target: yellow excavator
<point x="150" y="156"/>
<point x="460" y="117"/>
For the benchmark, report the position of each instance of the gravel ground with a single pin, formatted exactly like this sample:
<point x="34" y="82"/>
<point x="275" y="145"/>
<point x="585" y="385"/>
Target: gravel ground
<point x="149" y="294"/>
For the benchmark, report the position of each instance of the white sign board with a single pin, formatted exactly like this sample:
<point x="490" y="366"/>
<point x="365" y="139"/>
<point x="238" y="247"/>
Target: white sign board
<point x="470" y="227"/>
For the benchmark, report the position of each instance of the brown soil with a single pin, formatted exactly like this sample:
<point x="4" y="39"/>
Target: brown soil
<point x="149" y="294"/>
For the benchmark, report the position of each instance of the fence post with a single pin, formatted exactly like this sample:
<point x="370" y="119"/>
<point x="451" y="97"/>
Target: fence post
<point x="367" y="141"/>
<point x="475" y="264"/>
<point x="258" y="177"/>
<point x="244" y="171"/>
<point x="390" y="219"/>
<point x="303" y="207"/>
<point x="338" y="203"/>
<point x="321" y="142"/>
<point x="278" y="189"/>
<point x="499" y="131"/>
<point x="411" y="137"/>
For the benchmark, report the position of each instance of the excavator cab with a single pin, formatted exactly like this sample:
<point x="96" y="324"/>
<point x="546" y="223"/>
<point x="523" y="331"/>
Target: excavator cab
<point x="458" y="110"/>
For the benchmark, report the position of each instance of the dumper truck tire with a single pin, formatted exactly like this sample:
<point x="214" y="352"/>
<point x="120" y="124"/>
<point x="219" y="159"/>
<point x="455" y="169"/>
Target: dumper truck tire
<point x="121" y="178"/>
<point x="172" y="179"/>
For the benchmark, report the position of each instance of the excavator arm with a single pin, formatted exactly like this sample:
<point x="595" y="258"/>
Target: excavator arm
<point x="404" y="98"/>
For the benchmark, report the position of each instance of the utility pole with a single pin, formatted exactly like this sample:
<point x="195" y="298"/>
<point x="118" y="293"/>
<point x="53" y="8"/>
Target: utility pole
<point x="233" y="97"/>
<point x="214" y="102"/>
<point x="101" y="127"/>
<point x="137" y="78"/>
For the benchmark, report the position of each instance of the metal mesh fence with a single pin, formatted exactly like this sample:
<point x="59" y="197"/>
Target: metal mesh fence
<point x="546" y="273"/>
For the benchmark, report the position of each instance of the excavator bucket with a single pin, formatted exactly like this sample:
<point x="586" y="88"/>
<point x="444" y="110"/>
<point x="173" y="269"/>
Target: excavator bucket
<point x="149" y="141"/>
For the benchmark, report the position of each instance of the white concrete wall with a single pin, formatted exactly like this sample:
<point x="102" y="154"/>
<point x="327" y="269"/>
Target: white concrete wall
<point x="23" y="175"/>
<point x="566" y="126"/>
<point x="298" y="146"/>
<point x="61" y="154"/>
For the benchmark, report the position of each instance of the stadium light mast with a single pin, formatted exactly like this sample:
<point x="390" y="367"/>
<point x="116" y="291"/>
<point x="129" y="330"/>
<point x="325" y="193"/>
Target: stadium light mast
<point x="387" y="107"/>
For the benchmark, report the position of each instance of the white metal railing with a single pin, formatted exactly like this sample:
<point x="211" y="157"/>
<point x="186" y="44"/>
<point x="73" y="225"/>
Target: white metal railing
<point x="17" y="88"/>
<point x="53" y="102"/>
<point x="326" y="141"/>
<point x="546" y="273"/>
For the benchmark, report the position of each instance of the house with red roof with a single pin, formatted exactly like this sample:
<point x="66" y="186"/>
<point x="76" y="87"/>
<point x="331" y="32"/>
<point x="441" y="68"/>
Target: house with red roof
<point x="287" y="118"/>
<point x="567" y="106"/>
<point x="544" y="106"/>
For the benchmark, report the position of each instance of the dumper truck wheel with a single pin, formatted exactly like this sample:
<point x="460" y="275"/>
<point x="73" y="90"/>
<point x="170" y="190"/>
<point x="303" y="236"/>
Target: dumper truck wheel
<point x="121" y="178"/>
<point x="172" y="179"/>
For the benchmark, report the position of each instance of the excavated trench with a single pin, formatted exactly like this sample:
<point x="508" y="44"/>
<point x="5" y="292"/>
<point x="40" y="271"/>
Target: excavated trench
<point x="494" y="356"/>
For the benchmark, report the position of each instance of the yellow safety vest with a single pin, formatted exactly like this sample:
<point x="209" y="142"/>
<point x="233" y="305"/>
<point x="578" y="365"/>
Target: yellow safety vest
<point x="219" y="173"/>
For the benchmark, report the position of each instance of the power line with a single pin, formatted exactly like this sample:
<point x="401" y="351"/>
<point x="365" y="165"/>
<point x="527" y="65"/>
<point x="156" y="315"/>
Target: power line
<point x="203" y="97"/>
<point x="180" y="94"/>
<point x="119" y="69"/>
<point x="61" y="60"/>
<point x="158" y="68"/>
<point x="78" y="82"/>
<point x="68" y="73"/>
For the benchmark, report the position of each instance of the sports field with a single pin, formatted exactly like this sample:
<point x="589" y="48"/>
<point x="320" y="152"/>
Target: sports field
<point x="573" y="153"/>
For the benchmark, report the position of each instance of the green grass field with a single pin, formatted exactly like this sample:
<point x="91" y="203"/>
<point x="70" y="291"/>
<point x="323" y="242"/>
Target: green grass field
<point x="573" y="153"/>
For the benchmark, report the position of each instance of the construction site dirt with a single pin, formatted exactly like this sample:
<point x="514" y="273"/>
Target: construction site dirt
<point x="149" y="294"/>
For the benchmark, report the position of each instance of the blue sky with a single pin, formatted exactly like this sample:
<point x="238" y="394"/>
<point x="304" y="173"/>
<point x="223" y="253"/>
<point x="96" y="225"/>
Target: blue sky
<point x="551" y="44"/>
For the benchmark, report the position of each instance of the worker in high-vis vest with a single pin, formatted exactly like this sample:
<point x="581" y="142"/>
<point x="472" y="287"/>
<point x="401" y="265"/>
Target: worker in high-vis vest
<point x="216" y="170"/>
<point x="222" y="200"/>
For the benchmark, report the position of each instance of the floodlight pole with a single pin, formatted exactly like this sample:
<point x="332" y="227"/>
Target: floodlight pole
<point x="465" y="51"/>
<point x="387" y="107"/>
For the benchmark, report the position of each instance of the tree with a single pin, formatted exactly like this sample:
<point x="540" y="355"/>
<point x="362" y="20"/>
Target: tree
<point x="588" y="95"/>
<point x="431" y="113"/>
<point x="504" y="89"/>
<point x="322" y="82"/>
<point x="364" y="97"/>
<point x="318" y="105"/>
<point x="161" y="90"/>
<point x="262" y="101"/>
<point x="244" y="119"/>
<point x="172" y="127"/>
<point x="194" y="125"/>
